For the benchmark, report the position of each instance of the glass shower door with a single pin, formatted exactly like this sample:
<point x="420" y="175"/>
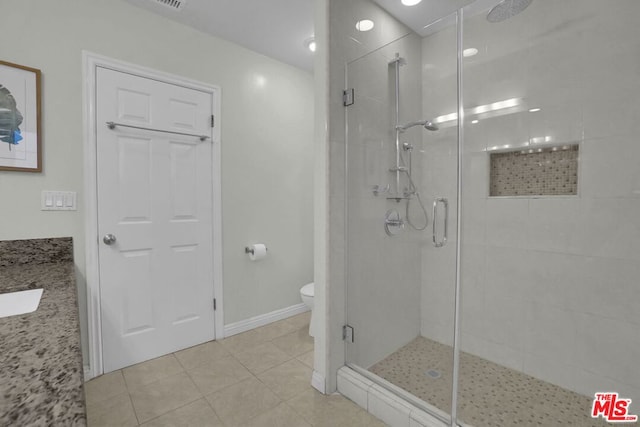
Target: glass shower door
<point x="399" y="307"/>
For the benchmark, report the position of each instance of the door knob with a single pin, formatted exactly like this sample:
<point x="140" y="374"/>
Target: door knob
<point x="109" y="239"/>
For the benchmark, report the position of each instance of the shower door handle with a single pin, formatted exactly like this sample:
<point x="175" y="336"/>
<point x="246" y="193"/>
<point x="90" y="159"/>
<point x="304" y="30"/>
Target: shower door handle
<point x="434" y="216"/>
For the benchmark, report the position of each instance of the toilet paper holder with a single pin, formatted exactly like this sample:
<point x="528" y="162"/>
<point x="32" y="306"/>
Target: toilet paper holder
<point x="249" y="250"/>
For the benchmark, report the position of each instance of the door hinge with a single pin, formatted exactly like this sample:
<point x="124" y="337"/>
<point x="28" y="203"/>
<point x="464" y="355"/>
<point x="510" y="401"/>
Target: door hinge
<point x="213" y="120"/>
<point x="348" y="97"/>
<point x="215" y="306"/>
<point x="348" y="334"/>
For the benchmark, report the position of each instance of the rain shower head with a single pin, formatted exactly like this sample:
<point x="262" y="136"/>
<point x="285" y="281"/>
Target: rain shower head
<point x="507" y="9"/>
<point x="427" y="124"/>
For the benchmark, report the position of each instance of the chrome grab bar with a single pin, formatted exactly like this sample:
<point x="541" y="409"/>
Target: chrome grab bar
<point x="113" y="125"/>
<point x="445" y="202"/>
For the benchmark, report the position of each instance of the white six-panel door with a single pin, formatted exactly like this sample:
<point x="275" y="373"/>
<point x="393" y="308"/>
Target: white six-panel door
<point x="155" y="196"/>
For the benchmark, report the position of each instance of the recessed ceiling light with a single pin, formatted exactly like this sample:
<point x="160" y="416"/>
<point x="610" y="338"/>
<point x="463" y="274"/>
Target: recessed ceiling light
<point x="310" y="44"/>
<point x="469" y="52"/>
<point x="364" y="25"/>
<point x="474" y="121"/>
<point x="534" y="110"/>
<point x="410" y="2"/>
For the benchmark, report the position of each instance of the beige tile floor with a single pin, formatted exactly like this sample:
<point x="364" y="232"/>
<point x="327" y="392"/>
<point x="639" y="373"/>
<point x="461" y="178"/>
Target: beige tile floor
<point x="258" y="378"/>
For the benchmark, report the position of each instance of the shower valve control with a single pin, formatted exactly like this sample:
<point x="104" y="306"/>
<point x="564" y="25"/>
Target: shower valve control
<point x="393" y="223"/>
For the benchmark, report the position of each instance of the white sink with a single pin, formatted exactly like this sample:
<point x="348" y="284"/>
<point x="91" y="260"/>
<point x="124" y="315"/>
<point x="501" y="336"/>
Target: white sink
<point x="22" y="302"/>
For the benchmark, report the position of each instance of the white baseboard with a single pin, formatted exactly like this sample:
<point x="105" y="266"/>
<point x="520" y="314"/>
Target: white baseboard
<point x="318" y="382"/>
<point x="263" y="319"/>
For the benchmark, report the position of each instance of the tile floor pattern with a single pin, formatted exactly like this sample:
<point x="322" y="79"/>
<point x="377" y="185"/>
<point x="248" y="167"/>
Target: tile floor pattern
<point x="489" y="394"/>
<point x="257" y="378"/>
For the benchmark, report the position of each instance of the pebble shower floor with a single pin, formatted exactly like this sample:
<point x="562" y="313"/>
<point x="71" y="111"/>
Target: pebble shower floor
<point x="490" y="395"/>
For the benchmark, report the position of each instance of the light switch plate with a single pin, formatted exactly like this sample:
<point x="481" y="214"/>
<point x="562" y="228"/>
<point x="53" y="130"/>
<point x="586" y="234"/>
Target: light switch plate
<point x="58" y="201"/>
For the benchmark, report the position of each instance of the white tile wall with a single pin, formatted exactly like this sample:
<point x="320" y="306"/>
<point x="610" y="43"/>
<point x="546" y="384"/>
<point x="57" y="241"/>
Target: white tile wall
<point x="474" y="226"/>
<point x="473" y="290"/>
<point x="507" y="222"/>
<point x="509" y="272"/>
<point x="504" y="355"/>
<point x="595" y="349"/>
<point x="549" y="368"/>
<point x="505" y="321"/>
<point x="594" y="225"/>
<point x="609" y="167"/>
<point x="550" y="330"/>
<point x="550" y="223"/>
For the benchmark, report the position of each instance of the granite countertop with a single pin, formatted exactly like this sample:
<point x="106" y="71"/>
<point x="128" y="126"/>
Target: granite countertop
<point x="41" y="375"/>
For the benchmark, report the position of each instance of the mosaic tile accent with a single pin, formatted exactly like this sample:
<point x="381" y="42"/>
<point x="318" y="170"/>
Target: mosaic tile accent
<point x="549" y="171"/>
<point x="490" y="395"/>
<point x="36" y="251"/>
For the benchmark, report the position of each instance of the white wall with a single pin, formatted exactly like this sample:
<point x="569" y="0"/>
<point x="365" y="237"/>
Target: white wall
<point x="267" y="138"/>
<point x="550" y="284"/>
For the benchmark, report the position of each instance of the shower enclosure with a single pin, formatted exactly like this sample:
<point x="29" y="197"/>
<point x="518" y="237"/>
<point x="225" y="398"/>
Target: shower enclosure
<point x="493" y="212"/>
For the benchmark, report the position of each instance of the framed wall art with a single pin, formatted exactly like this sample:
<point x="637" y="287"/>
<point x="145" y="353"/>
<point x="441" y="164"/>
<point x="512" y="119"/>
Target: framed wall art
<point x="20" y="136"/>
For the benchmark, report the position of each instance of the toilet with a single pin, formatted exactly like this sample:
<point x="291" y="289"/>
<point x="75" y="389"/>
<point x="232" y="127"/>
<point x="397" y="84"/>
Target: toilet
<point x="307" y="293"/>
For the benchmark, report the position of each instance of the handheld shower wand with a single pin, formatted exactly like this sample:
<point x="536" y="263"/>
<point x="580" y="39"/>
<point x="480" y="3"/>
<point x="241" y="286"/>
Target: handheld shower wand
<point x="427" y="124"/>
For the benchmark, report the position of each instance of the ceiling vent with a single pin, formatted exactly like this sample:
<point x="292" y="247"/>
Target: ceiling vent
<point x="172" y="4"/>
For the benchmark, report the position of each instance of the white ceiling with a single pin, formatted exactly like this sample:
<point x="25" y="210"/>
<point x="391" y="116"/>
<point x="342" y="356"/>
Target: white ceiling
<point x="276" y="28"/>
<point x="279" y="28"/>
<point x="423" y="17"/>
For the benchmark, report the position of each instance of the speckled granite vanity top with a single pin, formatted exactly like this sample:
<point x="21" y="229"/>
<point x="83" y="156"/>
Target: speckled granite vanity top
<point x="40" y="359"/>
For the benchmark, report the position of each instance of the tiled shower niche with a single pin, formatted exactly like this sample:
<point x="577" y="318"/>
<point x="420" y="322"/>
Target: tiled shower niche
<point x="550" y="171"/>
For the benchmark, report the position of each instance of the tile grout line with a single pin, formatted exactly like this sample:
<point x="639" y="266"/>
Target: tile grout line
<point x="266" y="342"/>
<point x="180" y="407"/>
<point x="165" y="413"/>
<point x="213" y="409"/>
<point x="154" y="381"/>
<point x="256" y="374"/>
<point x="135" y="413"/>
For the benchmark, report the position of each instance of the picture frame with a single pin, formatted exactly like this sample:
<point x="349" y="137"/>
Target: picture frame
<point x="20" y="117"/>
